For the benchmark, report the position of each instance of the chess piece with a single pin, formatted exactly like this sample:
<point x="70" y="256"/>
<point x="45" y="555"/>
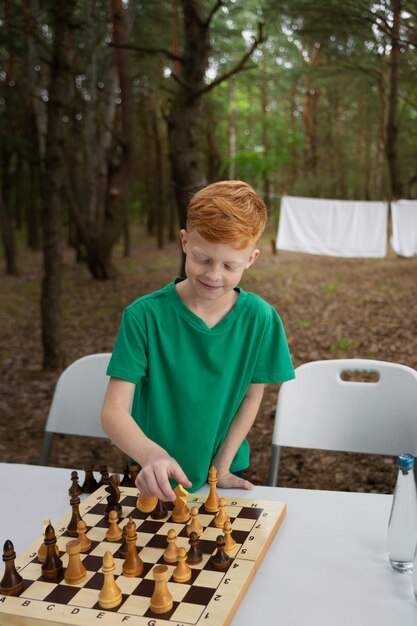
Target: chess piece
<point x="161" y="600"/>
<point x="76" y="516"/>
<point x="160" y="511"/>
<point x="181" y="512"/>
<point x="75" y="486"/>
<point x="103" y="474"/>
<point x="171" y="552"/>
<point x="194" y="525"/>
<point x="113" y="498"/>
<point x="211" y="505"/>
<point x="12" y="583"/>
<point x="85" y="542"/>
<point x="133" y="564"/>
<point x="42" y="547"/>
<point x="133" y="470"/>
<point x="182" y="572"/>
<point x="229" y="542"/>
<point x="114" y="533"/>
<point x="220" y="560"/>
<point x="90" y="484"/>
<point x="52" y="566"/>
<point x="194" y="554"/>
<point x="145" y="504"/>
<point x="122" y="552"/>
<point x="75" y="573"/>
<point x="126" y="477"/>
<point x="221" y="516"/>
<point x="110" y="595"/>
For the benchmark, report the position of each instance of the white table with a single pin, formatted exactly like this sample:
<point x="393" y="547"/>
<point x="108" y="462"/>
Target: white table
<point x="327" y="565"/>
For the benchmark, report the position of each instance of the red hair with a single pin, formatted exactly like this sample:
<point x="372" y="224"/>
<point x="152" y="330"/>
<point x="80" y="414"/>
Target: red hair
<point x="229" y="212"/>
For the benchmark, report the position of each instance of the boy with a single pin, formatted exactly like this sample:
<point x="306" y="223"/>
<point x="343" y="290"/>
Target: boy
<point x="196" y="354"/>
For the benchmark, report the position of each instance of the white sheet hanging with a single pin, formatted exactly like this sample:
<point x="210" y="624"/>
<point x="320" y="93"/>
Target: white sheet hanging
<point x="404" y="227"/>
<point x="333" y="227"/>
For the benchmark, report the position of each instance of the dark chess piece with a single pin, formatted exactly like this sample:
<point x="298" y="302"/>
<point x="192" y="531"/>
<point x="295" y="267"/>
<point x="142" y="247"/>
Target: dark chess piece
<point x="133" y="470"/>
<point x="12" y="583"/>
<point x="194" y="554"/>
<point x="122" y="552"/>
<point x="160" y="511"/>
<point x="103" y="471"/>
<point x="90" y="484"/>
<point x="76" y="515"/>
<point x="52" y="566"/>
<point x="113" y="503"/>
<point x="75" y="486"/>
<point x="220" y="560"/>
<point x="125" y="482"/>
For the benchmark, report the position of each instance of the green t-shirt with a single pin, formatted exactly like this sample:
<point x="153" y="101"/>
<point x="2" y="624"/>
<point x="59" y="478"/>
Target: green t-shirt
<point x="190" y="379"/>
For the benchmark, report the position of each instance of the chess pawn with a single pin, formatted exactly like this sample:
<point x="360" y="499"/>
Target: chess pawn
<point x="182" y="572"/>
<point x="212" y="503"/>
<point x="122" y="552"/>
<point x="126" y="477"/>
<point x="220" y="560"/>
<point x="52" y="566"/>
<point x="75" y="487"/>
<point x="42" y="547"/>
<point x="194" y="554"/>
<point x="145" y="504"/>
<point x="171" y="552"/>
<point x="229" y="542"/>
<point x="133" y="470"/>
<point x="12" y="583"/>
<point x="221" y="516"/>
<point x="161" y="600"/>
<point x="90" y="484"/>
<point x="133" y="564"/>
<point x="76" y="516"/>
<point x="114" y="533"/>
<point x="194" y="525"/>
<point x="110" y="595"/>
<point x="75" y="573"/>
<point x="160" y="511"/>
<point x="85" y="542"/>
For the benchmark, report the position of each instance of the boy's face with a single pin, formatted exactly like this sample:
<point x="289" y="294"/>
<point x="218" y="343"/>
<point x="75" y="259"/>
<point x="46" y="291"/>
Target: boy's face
<point x="214" y="269"/>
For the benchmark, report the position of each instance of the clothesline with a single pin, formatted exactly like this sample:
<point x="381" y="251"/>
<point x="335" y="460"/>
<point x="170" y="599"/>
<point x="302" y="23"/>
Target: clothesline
<point x="346" y="228"/>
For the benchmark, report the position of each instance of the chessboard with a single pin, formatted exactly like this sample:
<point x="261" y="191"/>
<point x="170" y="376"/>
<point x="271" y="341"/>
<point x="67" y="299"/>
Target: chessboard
<point x="210" y="597"/>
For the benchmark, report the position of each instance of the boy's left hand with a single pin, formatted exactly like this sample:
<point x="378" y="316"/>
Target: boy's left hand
<point x="230" y="481"/>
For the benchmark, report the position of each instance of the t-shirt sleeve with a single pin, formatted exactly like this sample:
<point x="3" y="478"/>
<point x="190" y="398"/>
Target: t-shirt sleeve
<point x="129" y="360"/>
<point x="274" y="363"/>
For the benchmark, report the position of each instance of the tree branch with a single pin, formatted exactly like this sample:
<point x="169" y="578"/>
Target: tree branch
<point x="213" y="11"/>
<point x="145" y="50"/>
<point x="239" y="67"/>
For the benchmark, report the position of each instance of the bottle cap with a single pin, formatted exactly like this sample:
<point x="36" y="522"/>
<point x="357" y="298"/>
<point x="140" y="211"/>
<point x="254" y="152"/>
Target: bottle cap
<point x="405" y="460"/>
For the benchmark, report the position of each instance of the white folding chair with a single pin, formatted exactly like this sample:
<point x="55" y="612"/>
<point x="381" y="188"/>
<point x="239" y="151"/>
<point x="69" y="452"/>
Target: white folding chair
<point x="77" y="401"/>
<point x="319" y="409"/>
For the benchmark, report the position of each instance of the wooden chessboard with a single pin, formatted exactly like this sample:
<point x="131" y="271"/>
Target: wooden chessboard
<point x="210" y="597"/>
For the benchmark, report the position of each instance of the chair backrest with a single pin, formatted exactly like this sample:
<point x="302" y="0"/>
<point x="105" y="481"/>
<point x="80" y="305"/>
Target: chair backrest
<point x="77" y="401"/>
<point x="319" y="409"/>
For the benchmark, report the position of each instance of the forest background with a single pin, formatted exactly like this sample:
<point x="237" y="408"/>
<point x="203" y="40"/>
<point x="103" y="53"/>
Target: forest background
<point x="112" y="114"/>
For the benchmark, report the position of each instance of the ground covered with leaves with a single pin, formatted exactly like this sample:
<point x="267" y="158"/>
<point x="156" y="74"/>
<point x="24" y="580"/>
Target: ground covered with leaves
<point x="331" y="308"/>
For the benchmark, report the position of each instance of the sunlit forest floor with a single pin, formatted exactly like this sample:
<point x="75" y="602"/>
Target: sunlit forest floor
<point x="331" y="308"/>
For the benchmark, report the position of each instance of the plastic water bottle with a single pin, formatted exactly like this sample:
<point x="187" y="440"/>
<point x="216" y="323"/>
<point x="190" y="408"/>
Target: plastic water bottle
<point x="402" y="526"/>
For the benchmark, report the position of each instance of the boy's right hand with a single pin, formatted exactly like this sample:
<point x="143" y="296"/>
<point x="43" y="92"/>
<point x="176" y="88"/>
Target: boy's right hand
<point x="153" y="479"/>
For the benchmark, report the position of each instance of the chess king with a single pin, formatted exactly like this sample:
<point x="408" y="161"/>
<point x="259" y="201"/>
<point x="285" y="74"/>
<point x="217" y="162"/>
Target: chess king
<point x="191" y="360"/>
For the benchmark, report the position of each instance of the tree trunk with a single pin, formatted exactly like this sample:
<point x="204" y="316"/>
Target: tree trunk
<point x="53" y="186"/>
<point x="392" y="122"/>
<point x="7" y="235"/>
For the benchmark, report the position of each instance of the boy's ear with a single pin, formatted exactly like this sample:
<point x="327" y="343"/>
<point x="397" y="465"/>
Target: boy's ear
<point x="183" y="238"/>
<point x="252" y="258"/>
